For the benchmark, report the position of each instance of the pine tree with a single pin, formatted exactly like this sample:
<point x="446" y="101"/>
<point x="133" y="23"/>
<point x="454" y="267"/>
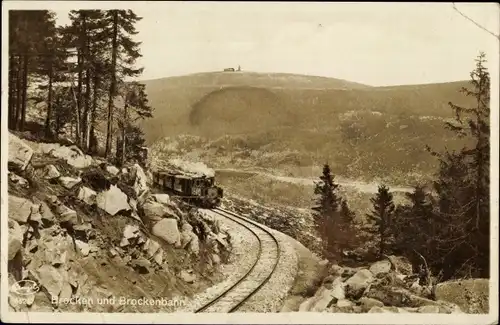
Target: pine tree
<point x="120" y="27"/>
<point x="326" y="211"/>
<point x="52" y="67"/>
<point x="348" y="216"/>
<point x="463" y="185"/>
<point x="30" y="31"/>
<point x="87" y="34"/>
<point x="416" y="226"/>
<point x="382" y="214"/>
<point x="135" y="107"/>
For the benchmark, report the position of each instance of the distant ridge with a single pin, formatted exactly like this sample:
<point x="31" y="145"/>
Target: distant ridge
<point x="254" y="79"/>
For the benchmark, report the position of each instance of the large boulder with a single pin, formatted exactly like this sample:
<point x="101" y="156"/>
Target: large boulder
<point x="369" y="303"/>
<point x="72" y="154"/>
<point x="112" y="170"/>
<point x="402" y="264"/>
<point x="158" y="257"/>
<point x="69" y="182"/>
<point x="167" y="230"/>
<point x="333" y="291"/>
<point x="50" y="172"/>
<point x="162" y="198"/>
<point x="187" y="276"/>
<point x="398" y="297"/>
<point x="66" y="215"/>
<point x="56" y="249"/>
<point x="15" y="238"/>
<point x="87" y="195"/>
<point x="186" y="232"/>
<point x="83" y="247"/>
<point x="46" y="212"/>
<point x="47" y="148"/>
<point x="140" y="180"/>
<point x="130" y="232"/>
<point x="194" y="245"/>
<point x="113" y="200"/>
<point x="151" y="247"/>
<point x="379" y="267"/>
<point x="18" y="180"/>
<point x="155" y="211"/>
<point x="356" y="284"/>
<point x="20" y="153"/>
<point x="471" y="295"/>
<point x="19" y="209"/>
<point x="51" y="280"/>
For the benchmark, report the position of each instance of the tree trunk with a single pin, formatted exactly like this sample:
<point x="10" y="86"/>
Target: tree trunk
<point x="92" y="142"/>
<point x="124" y="132"/>
<point x="112" y="87"/>
<point x="19" y="79"/>
<point x="25" y="92"/>
<point x="79" y="97"/>
<point x="48" y="132"/>
<point x="12" y="88"/>
<point x="87" y="110"/>
<point x="58" y="117"/>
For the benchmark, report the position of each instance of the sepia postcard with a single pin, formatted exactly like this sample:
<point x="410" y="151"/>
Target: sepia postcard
<point x="249" y="162"/>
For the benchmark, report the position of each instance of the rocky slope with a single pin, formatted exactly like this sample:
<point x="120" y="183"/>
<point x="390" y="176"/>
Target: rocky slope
<point x="92" y="236"/>
<point x="390" y="286"/>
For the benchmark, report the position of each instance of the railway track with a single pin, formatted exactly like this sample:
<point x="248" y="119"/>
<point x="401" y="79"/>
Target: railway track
<point x="256" y="277"/>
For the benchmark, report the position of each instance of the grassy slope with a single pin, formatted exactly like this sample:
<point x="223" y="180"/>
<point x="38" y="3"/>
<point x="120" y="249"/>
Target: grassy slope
<point x="364" y="131"/>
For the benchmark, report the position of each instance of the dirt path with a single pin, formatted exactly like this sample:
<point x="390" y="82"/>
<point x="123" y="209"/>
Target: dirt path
<point x="362" y="187"/>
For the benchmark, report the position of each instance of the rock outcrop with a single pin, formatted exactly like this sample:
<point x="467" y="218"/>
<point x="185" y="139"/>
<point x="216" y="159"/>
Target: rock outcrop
<point x="167" y="230"/>
<point x="72" y="154"/>
<point x="19" y="153"/>
<point x="472" y="295"/>
<point x="113" y="200"/>
<point x="382" y="288"/>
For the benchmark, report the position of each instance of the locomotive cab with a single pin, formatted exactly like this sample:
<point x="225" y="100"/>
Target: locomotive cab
<point x="199" y="189"/>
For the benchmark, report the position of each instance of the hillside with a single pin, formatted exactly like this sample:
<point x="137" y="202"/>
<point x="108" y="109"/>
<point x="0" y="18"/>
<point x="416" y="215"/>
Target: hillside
<point x="253" y="79"/>
<point x="291" y="123"/>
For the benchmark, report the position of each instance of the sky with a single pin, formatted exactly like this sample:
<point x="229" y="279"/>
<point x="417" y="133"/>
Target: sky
<point x="377" y="44"/>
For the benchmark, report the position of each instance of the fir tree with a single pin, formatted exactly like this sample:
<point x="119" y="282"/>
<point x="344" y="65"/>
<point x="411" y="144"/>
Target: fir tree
<point x="416" y="225"/>
<point x="30" y="32"/>
<point x="136" y="107"/>
<point x="87" y="34"/>
<point x="326" y="211"/>
<point x="463" y="185"/>
<point x="346" y="213"/>
<point x="382" y="214"/>
<point x="124" y="52"/>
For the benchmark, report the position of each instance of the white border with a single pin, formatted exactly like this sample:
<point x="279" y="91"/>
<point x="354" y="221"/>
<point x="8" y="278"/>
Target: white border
<point x="243" y="318"/>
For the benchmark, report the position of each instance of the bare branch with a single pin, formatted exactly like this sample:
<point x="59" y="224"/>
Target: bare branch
<point x="427" y="270"/>
<point x="473" y="21"/>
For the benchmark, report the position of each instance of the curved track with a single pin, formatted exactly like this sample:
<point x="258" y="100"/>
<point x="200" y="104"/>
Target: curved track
<point x="256" y="277"/>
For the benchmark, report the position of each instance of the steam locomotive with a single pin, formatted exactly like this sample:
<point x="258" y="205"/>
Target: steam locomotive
<point x="200" y="190"/>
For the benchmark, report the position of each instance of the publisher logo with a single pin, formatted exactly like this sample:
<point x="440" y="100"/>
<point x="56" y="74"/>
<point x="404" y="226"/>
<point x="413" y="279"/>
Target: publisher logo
<point x="23" y="292"/>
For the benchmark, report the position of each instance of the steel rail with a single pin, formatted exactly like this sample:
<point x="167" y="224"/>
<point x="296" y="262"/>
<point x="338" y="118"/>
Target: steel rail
<point x="238" y="219"/>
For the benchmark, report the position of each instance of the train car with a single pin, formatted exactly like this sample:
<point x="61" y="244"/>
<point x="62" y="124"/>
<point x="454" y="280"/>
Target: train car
<point x="200" y="190"/>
